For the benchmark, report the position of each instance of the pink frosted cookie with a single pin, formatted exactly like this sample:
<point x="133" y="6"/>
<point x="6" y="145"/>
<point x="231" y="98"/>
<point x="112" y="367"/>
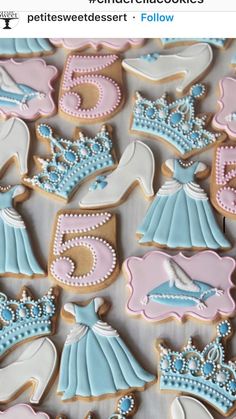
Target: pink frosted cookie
<point x="22" y="411"/>
<point x="164" y="286"/>
<point x="26" y="89"/>
<point x="225" y="118"/>
<point x="91" y="88"/>
<point x="115" y="44"/>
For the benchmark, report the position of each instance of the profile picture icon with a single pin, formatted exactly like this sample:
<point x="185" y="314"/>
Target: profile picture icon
<point x="8" y="19"/>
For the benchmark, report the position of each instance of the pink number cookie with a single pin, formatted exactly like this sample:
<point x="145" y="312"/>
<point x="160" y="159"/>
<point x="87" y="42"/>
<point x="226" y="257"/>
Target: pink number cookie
<point x="26" y="89"/>
<point x="225" y="118"/>
<point x="91" y="88"/>
<point x="164" y="286"/>
<point x="223" y="180"/>
<point x="115" y="44"/>
<point x="83" y="255"/>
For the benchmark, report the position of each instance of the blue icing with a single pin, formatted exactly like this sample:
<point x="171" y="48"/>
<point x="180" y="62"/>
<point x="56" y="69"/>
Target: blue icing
<point x="24" y="46"/>
<point x="17" y="99"/>
<point x="191" y="298"/>
<point x="181" y="219"/>
<point x="99" y="362"/>
<point x="216" y="42"/>
<point x="150" y="57"/>
<point x="72" y="161"/>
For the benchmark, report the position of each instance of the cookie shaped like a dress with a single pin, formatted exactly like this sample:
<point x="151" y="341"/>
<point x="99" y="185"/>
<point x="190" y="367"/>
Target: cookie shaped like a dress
<point x="16" y="255"/>
<point x="181" y="215"/>
<point x="14" y="47"/>
<point x="95" y="361"/>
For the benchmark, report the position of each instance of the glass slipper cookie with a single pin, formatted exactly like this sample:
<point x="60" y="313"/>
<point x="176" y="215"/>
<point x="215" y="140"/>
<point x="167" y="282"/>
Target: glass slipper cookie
<point x="27" y="371"/>
<point x="26" y="89"/>
<point x="175" y="122"/>
<point x="83" y="256"/>
<point x="16" y="254"/>
<point x="164" y="287"/>
<point x="25" y="47"/>
<point x="137" y="165"/>
<point x="25" y="318"/>
<point x="91" y="88"/>
<point x="14" y="144"/>
<point x="189" y="408"/>
<point x="190" y="65"/>
<point x="203" y="374"/>
<point x="221" y="43"/>
<point x="80" y="44"/>
<point x="181" y="216"/>
<point x="223" y="179"/>
<point x="71" y="161"/>
<point x="93" y="349"/>
<point x="225" y="117"/>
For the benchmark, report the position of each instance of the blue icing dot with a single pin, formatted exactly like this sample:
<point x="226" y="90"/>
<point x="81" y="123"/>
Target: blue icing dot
<point x="36" y="311"/>
<point x="208" y="368"/>
<point x="195" y="135"/>
<point x="70" y="156"/>
<point x="223" y="328"/>
<point x="125" y="405"/>
<point x="44" y="130"/>
<point x="96" y="147"/>
<point x="232" y="385"/>
<point x="197" y="90"/>
<point x="179" y="364"/>
<point x="7" y="314"/>
<point x="176" y="118"/>
<point x="150" y="112"/>
<point x="54" y="176"/>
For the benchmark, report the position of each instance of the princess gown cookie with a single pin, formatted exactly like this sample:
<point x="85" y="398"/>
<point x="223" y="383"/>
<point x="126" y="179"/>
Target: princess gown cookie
<point x="16" y="255"/>
<point x="23" y="47"/>
<point x="180" y="215"/>
<point x="95" y="361"/>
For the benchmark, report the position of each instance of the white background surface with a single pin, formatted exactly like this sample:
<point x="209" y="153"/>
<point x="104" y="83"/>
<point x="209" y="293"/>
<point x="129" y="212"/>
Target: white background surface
<point x="39" y="213"/>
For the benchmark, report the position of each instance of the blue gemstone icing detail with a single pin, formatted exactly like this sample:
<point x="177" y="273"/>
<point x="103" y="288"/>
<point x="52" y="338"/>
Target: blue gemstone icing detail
<point x="150" y="57"/>
<point x="71" y="162"/>
<point x="176" y="122"/>
<point x="205" y="374"/>
<point x="100" y="183"/>
<point x="216" y="42"/>
<point x="24" y="318"/>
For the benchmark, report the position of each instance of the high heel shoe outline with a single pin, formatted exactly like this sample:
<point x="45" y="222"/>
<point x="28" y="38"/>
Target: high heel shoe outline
<point x="40" y="352"/>
<point x="136" y="165"/>
<point x="191" y="63"/>
<point x="14" y="144"/>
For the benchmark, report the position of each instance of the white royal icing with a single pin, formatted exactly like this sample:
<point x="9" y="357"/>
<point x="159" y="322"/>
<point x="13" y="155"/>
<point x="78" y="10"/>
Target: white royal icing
<point x="184" y="407"/>
<point x="190" y="63"/>
<point x="28" y="369"/>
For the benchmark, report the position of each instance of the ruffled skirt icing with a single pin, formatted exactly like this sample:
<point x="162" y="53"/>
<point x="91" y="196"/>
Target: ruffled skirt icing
<point x="13" y="46"/>
<point x="179" y="221"/>
<point x="99" y="365"/>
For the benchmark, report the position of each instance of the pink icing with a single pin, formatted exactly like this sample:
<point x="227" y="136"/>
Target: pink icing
<point x="227" y="104"/>
<point x="38" y="75"/>
<point x="110" y="95"/>
<point x="144" y="274"/>
<point x="226" y="196"/>
<point x="22" y="411"/>
<point x="103" y="254"/>
<point x="117" y="44"/>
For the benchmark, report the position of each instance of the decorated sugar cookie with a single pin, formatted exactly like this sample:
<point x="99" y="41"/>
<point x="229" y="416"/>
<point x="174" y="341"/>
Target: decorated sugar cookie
<point x="24" y="47"/>
<point x="71" y="161"/>
<point x="91" y="88"/>
<point x="83" y="253"/>
<point x="16" y="254"/>
<point x="221" y="43"/>
<point x="95" y="361"/>
<point x="137" y="165"/>
<point x="175" y="122"/>
<point x="204" y="374"/>
<point x="23" y="411"/>
<point x="80" y="44"/>
<point x="27" y="371"/>
<point x="164" y="287"/>
<point x="26" y="89"/>
<point x="189" y="64"/>
<point x="181" y="216"/>
<point x="14" y="144"/>
<point x="26" y="318"/>
<point x="189" y="408"/>
<point x="223" y="184"/>
<point x="225" y="118"/>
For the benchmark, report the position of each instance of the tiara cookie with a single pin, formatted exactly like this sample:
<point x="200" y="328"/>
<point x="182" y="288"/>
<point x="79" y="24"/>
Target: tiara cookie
<point x="115" y="44"/>
<point x="221" y="43"/>
<point x="205" y="374"/>
<point x="25" y="318"/>
<point x="102" y="353"/>
<point x="175" y="122"/>
<point x="91" y="88"/>
<point x="83" y="251"/>
<point x="71" y="161"/>
<point x="26" y="89"/>
<point x="225" y="118"/>
<point x="164" y="286"/>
